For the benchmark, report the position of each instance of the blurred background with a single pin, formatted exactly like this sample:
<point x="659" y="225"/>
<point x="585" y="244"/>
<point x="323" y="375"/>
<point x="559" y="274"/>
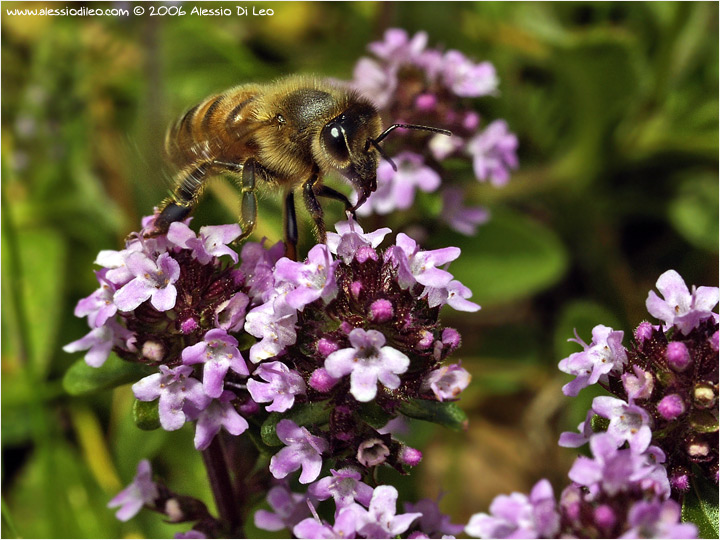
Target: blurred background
<point x="616" y="109"/>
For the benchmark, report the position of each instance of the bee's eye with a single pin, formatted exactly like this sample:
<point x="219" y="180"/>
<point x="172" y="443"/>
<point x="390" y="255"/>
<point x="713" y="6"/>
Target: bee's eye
<point x="333" y="138"/>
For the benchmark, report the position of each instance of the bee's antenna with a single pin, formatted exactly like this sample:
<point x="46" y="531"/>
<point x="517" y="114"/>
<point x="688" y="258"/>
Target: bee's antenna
<point x="372" y="142"/>
<point x="410" y="126"/>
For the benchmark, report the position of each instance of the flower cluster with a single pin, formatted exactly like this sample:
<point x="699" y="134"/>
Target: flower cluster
<point x="645" y="441"/>
<point x="665" y="385"/>
<point x="411" y="83"/>
<point x="351" y="333"/>
<point x="360" y="511"/>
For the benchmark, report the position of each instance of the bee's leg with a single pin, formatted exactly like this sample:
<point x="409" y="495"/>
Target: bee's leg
<point x="291" y="227"/>
<point x="313" y="206"/>
<point x="248" y="202"/>
<point x="189" y="182"/>
<point x="330" y="193"/>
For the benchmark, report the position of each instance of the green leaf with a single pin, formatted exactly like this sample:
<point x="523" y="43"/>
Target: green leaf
<point x="146" y="415"/>
<point x="36" y="274"/>
<point x="443" y="413"/>
<point x="511" y="257"/>
<point x="303" y="415"/>
<point x="694" y="212"/>
<point x="374" y="415"/>
<point x="83" y="379"/>
<point x="700" y="506"/>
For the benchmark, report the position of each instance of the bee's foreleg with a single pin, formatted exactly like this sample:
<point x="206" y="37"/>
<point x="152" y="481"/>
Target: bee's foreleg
<point x="248" y="201"/>
<point x="330" y="193"/>
<point x="291" y="227"/>
<point x="189" y="182"/>
<point x="313" y="206"/>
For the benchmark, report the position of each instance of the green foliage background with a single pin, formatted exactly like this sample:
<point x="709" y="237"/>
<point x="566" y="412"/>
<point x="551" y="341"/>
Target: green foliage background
<point x="616" y="109"/>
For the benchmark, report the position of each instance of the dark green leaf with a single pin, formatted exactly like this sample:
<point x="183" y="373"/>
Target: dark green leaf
<point x="694" y="212"/>
<point x="511" y="244"/>
<point x="700" y="506"/>
<point x="443" y="413"/>
<point x="146" y="415"/>
<point x="83" y="379"/>
<point x="374" y="415"/>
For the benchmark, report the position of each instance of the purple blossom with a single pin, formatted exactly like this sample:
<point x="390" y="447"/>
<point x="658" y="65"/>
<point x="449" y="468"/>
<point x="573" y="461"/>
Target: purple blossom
<point x="612" y="470"/>
<point x="351" y="242"/>
<point x="416" y="265"/>
<point x="100" y="341"/>
<point x="211" y="242"/>
<point x="447" y="382"/>
<point x="257" y="263"/>
<point x="374" y="81"/>
<point x="656" y="519"/>
<point x="367" y="361"/>
<point x="680" y="307"/>
<point x="628" y="422"/>
<point x="141" y="491"/>
<point x="289" y="509"/>
<point x="380" y="520"/>
<point x="466" y="78"/>
<point x="99" y="306"/>
<point x="398" y="47"/>
<point x="313" y="279"/>
<point x="432" y="521"/>
<point x="605" y="354"/>
<point x="230" y="315"/>
<point x="344" y="486"/>
<point x="173" y="387"/>
<point x="396" y="189"/>
<point x="519" y="516"/>
<point x="494" y="153"/>
<point x="455" y="294"/>
<point x="346" y="522"/>
<point x="274" y="322"/>
<point x="218" y="352"/>
<point x="219" y="413"/>
<point x="302" y="450"/>
<point x="282" y="385"/>
<point x="568" y="439"/>
<point x="153" y="280"/>
<point x="640" y="385"/>
<point x="464" y="220"/>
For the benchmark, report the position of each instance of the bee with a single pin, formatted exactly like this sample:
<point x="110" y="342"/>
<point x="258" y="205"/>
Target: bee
<point x="286" y="136"/>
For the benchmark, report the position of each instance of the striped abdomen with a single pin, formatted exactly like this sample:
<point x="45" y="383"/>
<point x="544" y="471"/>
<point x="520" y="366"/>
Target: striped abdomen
<point x="217" y="128"/>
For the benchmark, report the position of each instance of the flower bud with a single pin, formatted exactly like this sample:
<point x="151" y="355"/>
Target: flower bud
<point x="643" y="332"/>
<point x="671" y="407"/>
<point x="410" y="456"/>
<point x="678" y="356"/>
<point x="605" y="516"/>
<point x="189" y="325"/>
<point x="326" y="346"/>
<point x="321" y="381"/>
<point x="680" y="480"/>
<point x="703" y="395"/>
<point x="698" y="448"/>
<point x="153" y="351"/>
<point x="381" y="310"/>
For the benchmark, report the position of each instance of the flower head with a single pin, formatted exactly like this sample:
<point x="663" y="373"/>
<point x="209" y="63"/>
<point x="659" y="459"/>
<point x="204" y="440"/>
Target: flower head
<point x="367" y="362"/>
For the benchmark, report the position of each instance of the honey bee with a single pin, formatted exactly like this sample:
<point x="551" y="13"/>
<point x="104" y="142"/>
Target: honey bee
<point x="285" y="136"/>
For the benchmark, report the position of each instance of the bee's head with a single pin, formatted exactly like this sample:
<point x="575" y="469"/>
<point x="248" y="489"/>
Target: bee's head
<point x="350" y="144"/>
<point x="345" y="147"/>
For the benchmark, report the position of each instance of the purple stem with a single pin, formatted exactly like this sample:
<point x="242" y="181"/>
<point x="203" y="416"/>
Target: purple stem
<point x="216" y="466"/>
